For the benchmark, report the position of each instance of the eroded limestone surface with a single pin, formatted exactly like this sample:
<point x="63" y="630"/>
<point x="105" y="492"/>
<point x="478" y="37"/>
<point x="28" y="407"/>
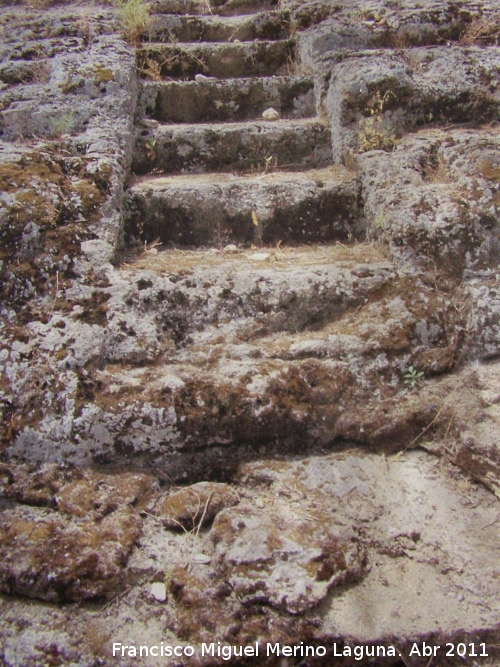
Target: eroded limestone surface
<point x="249" y="328"/>
<point x="321" y="539"/>
<point x="446" y="207"/>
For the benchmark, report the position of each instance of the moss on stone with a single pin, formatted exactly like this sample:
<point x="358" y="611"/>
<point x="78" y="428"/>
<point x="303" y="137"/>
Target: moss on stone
<point x="47" y="204"/>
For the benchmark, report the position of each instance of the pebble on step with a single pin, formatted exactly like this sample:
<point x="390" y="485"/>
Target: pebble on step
<point x="231" y="248"/>
<point x="201" y="77"/>
<point x="270" y="114"/>
<point x="159" y="591"/>
<point x="260" y="256"/>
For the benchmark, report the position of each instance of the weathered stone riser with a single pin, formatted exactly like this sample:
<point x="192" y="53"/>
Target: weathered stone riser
<point x="266" y="26"/>
<point x="227" y="8"/>
<point x="319" y="207"/>
<point x="235" y="147"/>
<point x="228" y="100"/>
<point x="222" y="60"/>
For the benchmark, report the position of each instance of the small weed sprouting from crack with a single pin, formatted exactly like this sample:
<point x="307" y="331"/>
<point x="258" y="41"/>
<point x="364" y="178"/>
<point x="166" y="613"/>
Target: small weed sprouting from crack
<point x="373" y="134"/>
<point x="149" y="147"/>
<point x="64" y="125"/>
<point x="149" y="68"/>
<point x="412" y="377"/>
<point x="152" y="248"/>
<point x="198" y="520"/>
<point x="446" y="406"/>
<point x="271" y="164"/>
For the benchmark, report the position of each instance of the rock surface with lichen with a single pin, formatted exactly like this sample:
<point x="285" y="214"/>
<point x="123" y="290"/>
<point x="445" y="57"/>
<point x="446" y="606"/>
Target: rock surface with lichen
<point x="249" y="364"/>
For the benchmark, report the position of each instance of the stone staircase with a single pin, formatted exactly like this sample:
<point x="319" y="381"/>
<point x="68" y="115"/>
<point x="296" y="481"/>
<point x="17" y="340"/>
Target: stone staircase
<point x="256" y="427"/>
<point x="253" y="278"/>
<point x="256" y="308"/>
<point x="210" y="170"/>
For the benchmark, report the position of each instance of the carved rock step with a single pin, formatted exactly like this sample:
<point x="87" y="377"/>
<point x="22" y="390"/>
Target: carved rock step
<point x="194" y="28"/>
<point x="314" y="206"/>
<point x="221" y="7"/>
<point x="219" y="59"/>
<point x="228" y="99"/>
<point x="291" y="144"/>
<point x="434" y="86"/>
<point x="280" y="346"/>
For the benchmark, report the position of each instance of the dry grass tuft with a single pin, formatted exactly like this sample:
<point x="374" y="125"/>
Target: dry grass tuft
<point x="134" y="19"/>
<point x="483" y="32"/>
<point x="375" y="133"/>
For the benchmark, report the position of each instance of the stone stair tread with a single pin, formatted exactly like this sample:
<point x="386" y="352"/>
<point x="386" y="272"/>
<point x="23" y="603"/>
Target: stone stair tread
<point x="284" y="303"/>
<point x="234" y="81"/>
<point x="223" y="100"/>
<point x="211" y="45"/>
<point x="153" y="183"/>
<point x="246" y="125"/>
<point x="357" y="259"/>
<point x="347" y="272"/>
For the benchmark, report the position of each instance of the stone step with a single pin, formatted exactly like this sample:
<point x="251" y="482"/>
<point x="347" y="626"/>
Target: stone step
<point x="227" y="99"/>
<point x="433" y="85"/>
<point x="309" y="342"/>
<point x="194" y="28"/>
<point x="241" y="147"/>
<point x="219" y="59"/>
<point x="245" y="294"/>
<point x="314" y="206"/>
<point x="210" y="7"/>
